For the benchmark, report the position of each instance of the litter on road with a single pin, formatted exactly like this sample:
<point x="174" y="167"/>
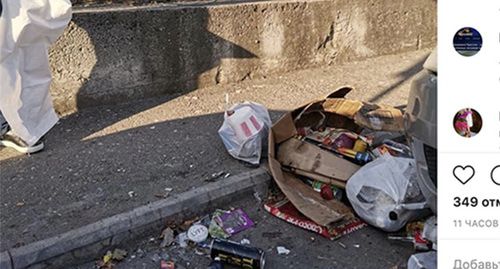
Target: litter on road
<point x="167" y="237"/>
<point x="282" y="250"/>
<point x="111" y="256"/>
<point x="233" y="253"/>
<point x="339" y="166"/>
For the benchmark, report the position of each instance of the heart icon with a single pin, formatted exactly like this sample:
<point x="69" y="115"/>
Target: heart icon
<point x="464" y="174"/>
<point x="495" y="175"/>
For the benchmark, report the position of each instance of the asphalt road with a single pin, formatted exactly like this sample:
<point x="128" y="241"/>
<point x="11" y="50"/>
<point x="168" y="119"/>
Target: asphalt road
<point x="107" y="160"/>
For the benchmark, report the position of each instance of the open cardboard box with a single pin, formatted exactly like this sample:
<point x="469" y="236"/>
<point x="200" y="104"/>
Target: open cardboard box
<point x="289" y="156"/>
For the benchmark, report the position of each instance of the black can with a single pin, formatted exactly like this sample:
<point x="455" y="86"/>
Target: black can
<point x="233" y="253"/>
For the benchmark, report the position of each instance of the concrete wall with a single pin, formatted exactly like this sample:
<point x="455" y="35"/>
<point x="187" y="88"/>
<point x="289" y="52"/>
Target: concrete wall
<point x="114" y="55"/>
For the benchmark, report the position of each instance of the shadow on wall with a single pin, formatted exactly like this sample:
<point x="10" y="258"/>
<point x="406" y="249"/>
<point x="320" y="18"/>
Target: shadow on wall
<point x="137" y="56"/>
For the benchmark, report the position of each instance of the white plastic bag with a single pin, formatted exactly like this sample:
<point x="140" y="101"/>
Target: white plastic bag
<point x="385" y="193"/>
<point x="245" y="126"/>
<point x="426" y="260"/>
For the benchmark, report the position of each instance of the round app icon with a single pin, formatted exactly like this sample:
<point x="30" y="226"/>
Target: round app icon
<point x="467" y="122"/>
<point x="467" y="41"/>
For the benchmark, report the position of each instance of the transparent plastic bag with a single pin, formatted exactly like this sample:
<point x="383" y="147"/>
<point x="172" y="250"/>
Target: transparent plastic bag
<point x="244" y="128"/>
<point x="426" y="260"/>
<point x="385" y="193"/>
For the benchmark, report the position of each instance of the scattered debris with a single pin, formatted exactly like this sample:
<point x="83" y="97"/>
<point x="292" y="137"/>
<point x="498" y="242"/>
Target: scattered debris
<point x="233" y="253"/>
<point x="356" y="245"/>
<point x="182" y="239"/>
<point x="284" y="209"/>
<point x="197" y="233"/>
<point x="20" y="204"/>
<point x="342" y="245"/>
<point x="234" y="221"/>
<point x="167" y="264"/>
<point x="165" y="194"/>
<point x="221" y="174"/>
<point x="227" y="223"/>
<point x="282" y="250"/>
<point x="168" y="237"/>
<point x="132" y="194"/>
<point x="217" y="175"/>
<point x="187" y="223"/>
<point x="245" y="241"/>
<point x="413" y="233"/>
<point x="119" y="254"/>
<point x="214" y="229"/>
<point x="257" y="197"/>
<point x="107" y="260"/>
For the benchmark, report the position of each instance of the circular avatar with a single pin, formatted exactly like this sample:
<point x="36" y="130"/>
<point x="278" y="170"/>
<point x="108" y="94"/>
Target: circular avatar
<point x="467" y="122"/>
<point x="467" y="41"/>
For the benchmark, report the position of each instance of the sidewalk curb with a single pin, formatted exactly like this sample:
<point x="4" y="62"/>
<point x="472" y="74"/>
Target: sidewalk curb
<point x="85" y="243"/>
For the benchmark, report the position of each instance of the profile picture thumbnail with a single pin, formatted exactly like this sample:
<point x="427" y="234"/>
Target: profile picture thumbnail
<point x="467" y="41"/>
<point x="467" y="122"/>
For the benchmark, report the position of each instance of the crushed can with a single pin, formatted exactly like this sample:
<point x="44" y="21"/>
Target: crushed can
<point x="234" y="253"/>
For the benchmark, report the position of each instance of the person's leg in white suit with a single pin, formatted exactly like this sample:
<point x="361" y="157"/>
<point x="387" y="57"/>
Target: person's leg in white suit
<point x="27" y="28"/>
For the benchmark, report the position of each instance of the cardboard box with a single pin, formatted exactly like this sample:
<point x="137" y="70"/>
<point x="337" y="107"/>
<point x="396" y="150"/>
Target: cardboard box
<point x="289" y="156"/>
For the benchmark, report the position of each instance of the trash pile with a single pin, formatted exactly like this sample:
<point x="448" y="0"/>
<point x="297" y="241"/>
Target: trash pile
<point x="340" y="163"/>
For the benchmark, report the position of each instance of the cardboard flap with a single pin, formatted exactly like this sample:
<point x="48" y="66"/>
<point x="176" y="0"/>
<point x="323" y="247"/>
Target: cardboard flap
<point x="344" y="107"/>
<point x="306" y="200"/>
<point x="283" y="129"/>
<point x="340" y="92"/>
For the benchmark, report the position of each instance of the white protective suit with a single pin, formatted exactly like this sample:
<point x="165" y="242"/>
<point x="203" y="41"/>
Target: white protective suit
<point x="27" y="29"/>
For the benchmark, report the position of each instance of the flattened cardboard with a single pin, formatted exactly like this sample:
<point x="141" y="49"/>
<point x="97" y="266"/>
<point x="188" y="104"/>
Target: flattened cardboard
<point x="308" y="157"/>
<point x="327" y="180"/>
<point x="286" y="211"/>
<point x="306" y="200"/>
